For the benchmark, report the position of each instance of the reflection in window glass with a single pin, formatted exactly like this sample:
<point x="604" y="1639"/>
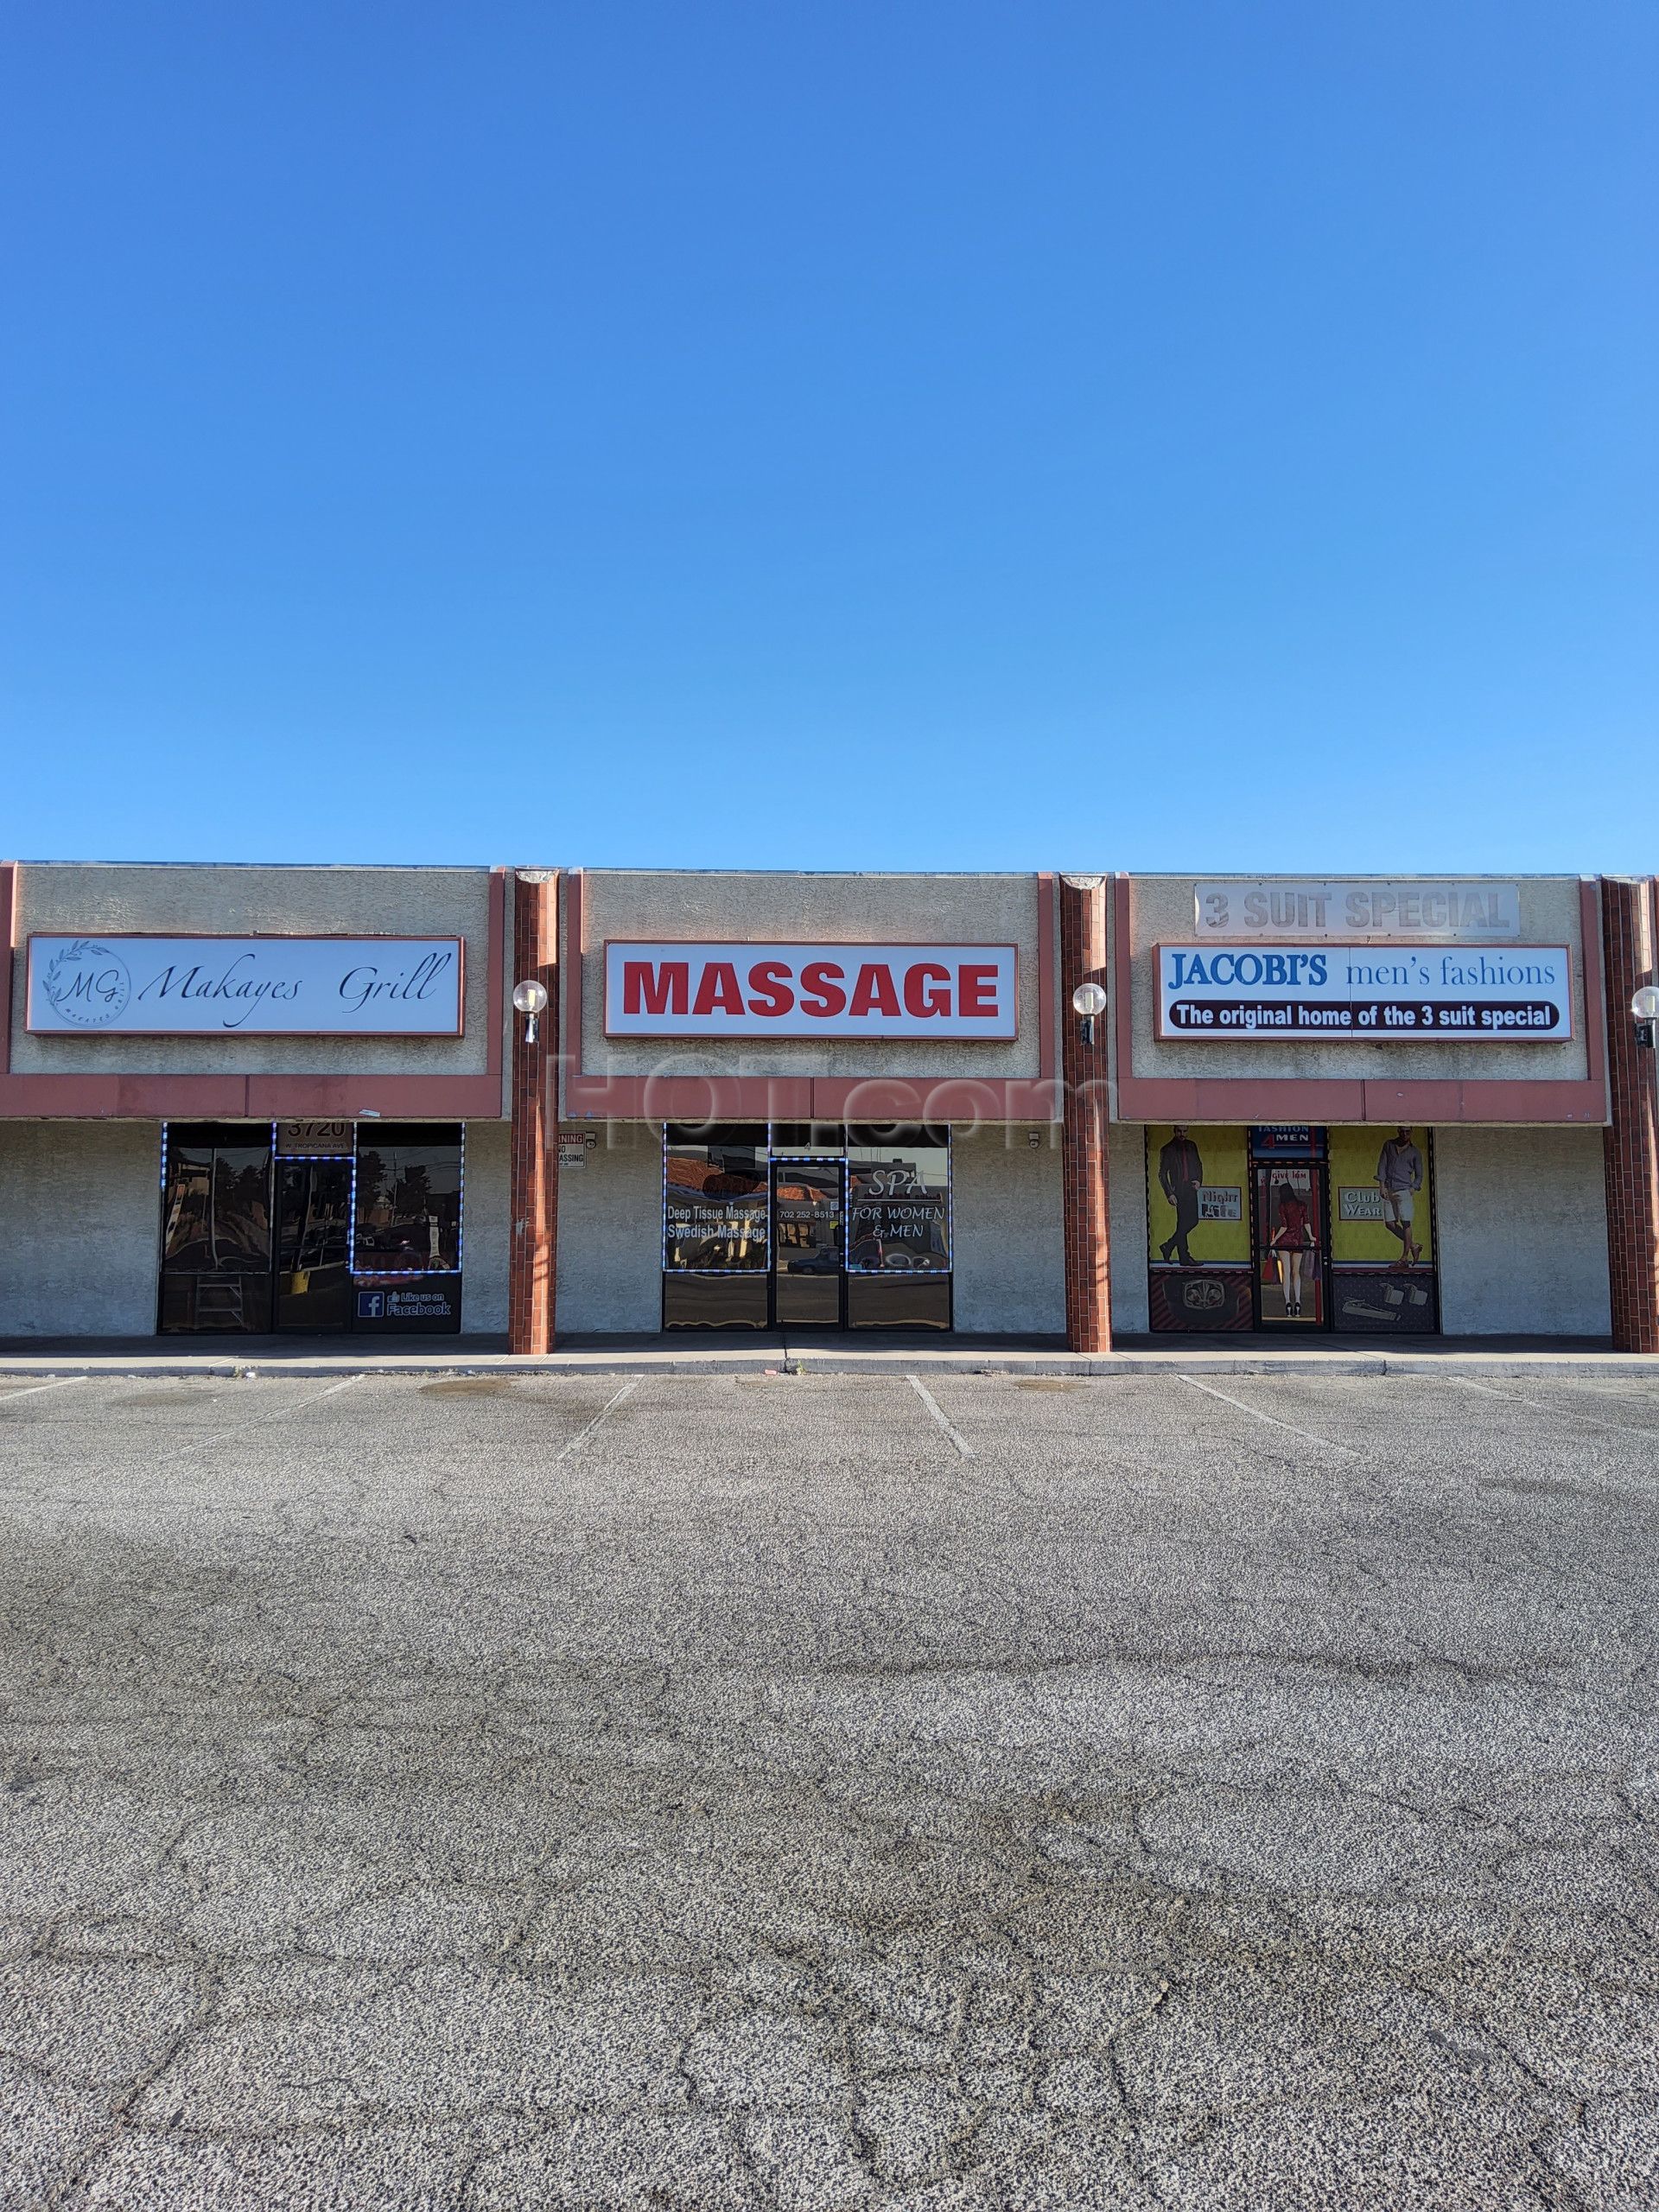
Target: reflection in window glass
<point x="408" y="1202"/>
<point x="715" y="1208"/>
<point x="899" y="1205"/>
<point x="218" y="1209"/>
<point x="215" y="1227"/>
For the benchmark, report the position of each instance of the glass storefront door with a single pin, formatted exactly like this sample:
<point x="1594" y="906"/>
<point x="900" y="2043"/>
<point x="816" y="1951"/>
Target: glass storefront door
<point x="806" y="1226"/>
<point x="808" y="1255"/>
<point x="313" y="1243"/>
<point x="1288" y="1213"/>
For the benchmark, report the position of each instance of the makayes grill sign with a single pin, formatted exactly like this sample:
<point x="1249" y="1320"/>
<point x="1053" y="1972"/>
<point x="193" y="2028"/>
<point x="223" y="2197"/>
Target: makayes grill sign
<point x="672" y="989"/>
<point x="246" y="985"/>
<point x="1381" y="994"/>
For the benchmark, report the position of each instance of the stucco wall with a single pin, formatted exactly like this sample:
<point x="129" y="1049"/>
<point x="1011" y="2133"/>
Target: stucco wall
<point x="611" y="1233"/>
<point x="1522" y="1224"/>
<point x="79" y="1228"/>
<point x="1126" y="1163"/>
<point x="892" y="909"/>
<point x="488" y="1196"/>
<point x="1009" y="1257"/>
<point x="256" y="901"/>
<point x="1161" y="912"/>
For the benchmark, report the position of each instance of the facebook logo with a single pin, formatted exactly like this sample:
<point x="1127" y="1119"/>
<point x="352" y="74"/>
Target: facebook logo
<point x="370" y="1305"/>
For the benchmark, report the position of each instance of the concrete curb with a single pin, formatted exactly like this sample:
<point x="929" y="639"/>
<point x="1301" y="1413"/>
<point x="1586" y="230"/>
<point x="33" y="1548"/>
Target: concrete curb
<point x="1518" y="1366"/>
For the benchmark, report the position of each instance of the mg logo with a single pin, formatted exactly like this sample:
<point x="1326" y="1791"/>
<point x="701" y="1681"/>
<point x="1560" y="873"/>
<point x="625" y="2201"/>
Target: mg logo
<point x="1201" y="1296"/>
<point x="88" y="984"/>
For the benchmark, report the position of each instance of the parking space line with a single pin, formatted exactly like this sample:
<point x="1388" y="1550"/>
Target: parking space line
<point x="588" y="1428"/>
<point x="254" y="1420"/>
<point x="1272" y="1420"/>
<point x="59" y="1383"/>
<point x="281" y="1413"/>
<point x="1533" y="1406"/>
<point x="932" y="1405"/>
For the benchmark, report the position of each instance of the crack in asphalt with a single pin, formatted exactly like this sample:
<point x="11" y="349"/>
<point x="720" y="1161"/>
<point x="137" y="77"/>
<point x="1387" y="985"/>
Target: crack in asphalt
<point x="744" y="1822"/>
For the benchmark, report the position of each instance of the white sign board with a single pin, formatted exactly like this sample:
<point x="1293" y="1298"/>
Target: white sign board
<point x="1359" y="1202"/>
<point x="1220" y="1201"/>
<point x="1381" y="995"/>
<point x="245" y="985"/>
<point x="674" y="989"/>
<point x="1283" y="906"/>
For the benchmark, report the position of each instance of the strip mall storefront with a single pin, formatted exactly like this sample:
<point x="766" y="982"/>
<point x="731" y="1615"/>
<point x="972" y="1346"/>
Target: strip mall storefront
<point x="809" y="1103"/>
<point x="242" y="1101"/>
<point x="246" y="1101"/>
<point x="1369" y="1106"/>
<point x="311" y="1226"/>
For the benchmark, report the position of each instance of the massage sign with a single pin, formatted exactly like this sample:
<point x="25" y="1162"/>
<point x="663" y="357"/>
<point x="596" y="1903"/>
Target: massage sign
<point x="1382" y="993"/>
<point x="676" y="989"/>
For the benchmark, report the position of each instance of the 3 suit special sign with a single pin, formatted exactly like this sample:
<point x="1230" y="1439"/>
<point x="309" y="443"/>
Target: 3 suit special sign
<point x="676" y="989"/>
<point x="245" y="985"/>
<point x="1380" y="994"/>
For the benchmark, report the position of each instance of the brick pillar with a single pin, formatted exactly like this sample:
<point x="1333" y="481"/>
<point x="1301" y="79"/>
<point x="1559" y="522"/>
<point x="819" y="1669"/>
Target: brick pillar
<point x="532" y="1281"/>
<point x="1631" y="1143"/>
<point x="1088" y="1231"/>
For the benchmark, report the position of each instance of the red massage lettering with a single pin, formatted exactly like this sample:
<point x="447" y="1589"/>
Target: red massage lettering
<point x="820" y="991"/>
<point x="648" y="987"/>
<point x="770" y="981"/>
<point x="718" y="992"/>
<point x="977" y="991"/>
<point x="919" y="999"/>
<point x="873" y="992"/>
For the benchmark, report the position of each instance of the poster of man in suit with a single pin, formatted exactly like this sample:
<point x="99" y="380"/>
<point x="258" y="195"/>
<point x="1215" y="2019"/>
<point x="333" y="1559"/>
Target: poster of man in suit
<point x="1180" y="1177"/>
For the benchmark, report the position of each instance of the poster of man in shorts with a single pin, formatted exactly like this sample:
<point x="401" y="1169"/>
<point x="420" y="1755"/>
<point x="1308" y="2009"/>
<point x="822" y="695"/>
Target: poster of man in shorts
<point x="1400" y="1178"/>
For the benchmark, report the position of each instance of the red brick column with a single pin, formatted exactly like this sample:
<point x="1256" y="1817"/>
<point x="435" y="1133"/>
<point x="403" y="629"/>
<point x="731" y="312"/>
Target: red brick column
<point x="1631" y="1143"/>
<point x="1088" y="1231"/>
<point x="532" y="1279"/>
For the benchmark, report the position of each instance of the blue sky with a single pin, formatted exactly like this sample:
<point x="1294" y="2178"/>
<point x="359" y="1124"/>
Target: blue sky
<point x="933" y="434"/>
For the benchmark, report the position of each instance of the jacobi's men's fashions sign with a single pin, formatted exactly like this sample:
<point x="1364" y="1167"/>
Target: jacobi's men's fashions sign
<point x="251" y="986"/>
<point x="672" y="989"/>
<point x="1382" y="993"/>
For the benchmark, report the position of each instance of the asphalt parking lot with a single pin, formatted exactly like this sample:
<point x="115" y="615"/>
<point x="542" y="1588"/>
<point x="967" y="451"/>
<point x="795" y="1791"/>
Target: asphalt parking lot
<point x="807" y="1792"/>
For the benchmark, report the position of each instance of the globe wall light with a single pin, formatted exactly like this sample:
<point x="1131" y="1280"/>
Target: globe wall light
<point x="530" y="999"/>
<point x="1089" y="1000"/>
<point x="1645" y="1012"/>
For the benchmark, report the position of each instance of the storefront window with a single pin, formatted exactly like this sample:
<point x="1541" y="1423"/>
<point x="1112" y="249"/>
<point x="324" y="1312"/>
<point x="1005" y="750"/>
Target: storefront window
<point x="1383" y="1246"/>
<point x="715" y="1212"/>
<point x="409" y="1207"/>
<point x="216" y="1228"/>
<point x="899" y="1202"/>
<point x="1292" y="1227"/>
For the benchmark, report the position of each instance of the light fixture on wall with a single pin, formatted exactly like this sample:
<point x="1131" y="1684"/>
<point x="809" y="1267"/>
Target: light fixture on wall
<point x="1089" y="1000"/>
<point x="530" y="998"/>
<point x="1645" y="1012"/>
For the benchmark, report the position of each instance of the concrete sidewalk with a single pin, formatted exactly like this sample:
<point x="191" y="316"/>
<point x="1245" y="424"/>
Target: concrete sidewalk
<point x="807" y="1352"/>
